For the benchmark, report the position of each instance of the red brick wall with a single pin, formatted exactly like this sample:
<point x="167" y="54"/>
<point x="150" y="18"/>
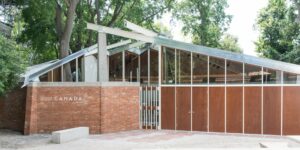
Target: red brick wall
<point x="119" y="109"/>
<point x="102" y="109"/>
<point x="12" y="110"/>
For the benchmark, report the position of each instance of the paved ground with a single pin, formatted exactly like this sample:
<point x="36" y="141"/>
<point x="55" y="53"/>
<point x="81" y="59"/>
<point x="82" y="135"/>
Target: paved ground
<point x="138" y="140"/>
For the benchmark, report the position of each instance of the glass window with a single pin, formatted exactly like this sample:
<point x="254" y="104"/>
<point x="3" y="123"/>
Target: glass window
<point x="271" y="76"/>
<point x="56" y="75"/>
<point x="144" y="67"/>
<point x="234" y="72"/>
<point x="131" y="66"/>
<point x="291" y="78"/>
<point x="252" y="74"/>
<point x="183" y="67"/>
<point x="168" y="65"/>
<point x="200" y="72"/>
<point x="216" y="70"/>
<point x="153" y="67"/>
<point x="115" y="67"/>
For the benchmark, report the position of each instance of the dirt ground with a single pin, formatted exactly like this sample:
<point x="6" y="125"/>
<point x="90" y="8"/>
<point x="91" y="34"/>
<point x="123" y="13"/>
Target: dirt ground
<point x="140" y="139"/>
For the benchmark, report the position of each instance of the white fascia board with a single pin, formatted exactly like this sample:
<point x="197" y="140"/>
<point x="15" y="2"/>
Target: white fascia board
<point x="119" y="32"/>
<point x="94" y="49"/>
<point x="139" y="29"/>
<point x="128" y="47"/>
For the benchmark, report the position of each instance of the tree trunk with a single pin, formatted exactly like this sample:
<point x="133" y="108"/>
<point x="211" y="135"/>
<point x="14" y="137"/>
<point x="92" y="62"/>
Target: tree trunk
<point x="298" y="8"/>
<point x="64" y="38"/>
<point x="97" y="11"/>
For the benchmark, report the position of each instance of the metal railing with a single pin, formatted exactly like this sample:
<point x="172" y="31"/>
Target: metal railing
<point x="149" y="107"/>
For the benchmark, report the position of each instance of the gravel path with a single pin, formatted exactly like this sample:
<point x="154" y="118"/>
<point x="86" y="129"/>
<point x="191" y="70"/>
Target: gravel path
<point x="141" y="140"/>
<point x="14" y="140"/>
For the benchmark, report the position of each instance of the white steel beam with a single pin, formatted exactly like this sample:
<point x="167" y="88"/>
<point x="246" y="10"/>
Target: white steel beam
<point x="139" y="29"/>
<point x="93" y="49"/>
<point x="128" y="48"/>
<point x="119" y="32"/>
<point x="159" y="83"/>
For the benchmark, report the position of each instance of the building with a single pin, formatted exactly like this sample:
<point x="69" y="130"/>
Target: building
<point x="153" y="82"/>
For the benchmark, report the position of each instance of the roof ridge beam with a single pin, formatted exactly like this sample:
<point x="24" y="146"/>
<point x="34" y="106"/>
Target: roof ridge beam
<point x="119" y="32"/>
<point x="93" y="49"/>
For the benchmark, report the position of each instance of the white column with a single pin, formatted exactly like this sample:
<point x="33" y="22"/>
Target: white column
<point x="102" y="58"/>
<point x="159" y="82"/>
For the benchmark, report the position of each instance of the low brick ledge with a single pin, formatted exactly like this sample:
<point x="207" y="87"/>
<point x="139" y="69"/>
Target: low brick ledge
<point x="74" y="84"/>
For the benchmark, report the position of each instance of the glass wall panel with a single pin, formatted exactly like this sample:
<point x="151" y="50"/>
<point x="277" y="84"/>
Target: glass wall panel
<point x="168" y="65"/>
<point x="271" y="76"/>
<point x="234" y="72"/>
<point x="153" y="67"/>
<point x="216" y="70"/>
<point x="183" y="67"/>
<point x="56" y="74"/>
<point x="291" y="78"/>
<point x="144" y="67"/>
<point x="252" y="74"/>
<point x="200" y="72"/>
<point x="115" y="67"/>
<point x="131" y="66"/>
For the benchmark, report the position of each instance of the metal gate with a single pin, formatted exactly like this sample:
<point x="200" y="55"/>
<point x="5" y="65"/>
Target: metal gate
<point x="149" y="107"/>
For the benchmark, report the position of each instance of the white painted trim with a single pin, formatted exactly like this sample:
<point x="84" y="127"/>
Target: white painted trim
<point x="93" y="49"/>
<point x="131" y="48"/>
<point x="119" y="32"/>
<point x="74" y="84"/>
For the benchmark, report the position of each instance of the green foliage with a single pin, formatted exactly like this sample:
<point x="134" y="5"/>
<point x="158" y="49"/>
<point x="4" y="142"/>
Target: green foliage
<point x="39" y="17"/>
<point x="205" y="20"/>
<point x="278" y="32"/>
<point x="230" y="43"/>
<point x="39" y="30"/>
<point x="12" y="64"/>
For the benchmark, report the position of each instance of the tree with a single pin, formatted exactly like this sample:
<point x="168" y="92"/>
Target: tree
<point x="279" y="31"/>
<point x="12" y="64"/>
<point x="297" y="5"/>
<point x="64" y="31"/>
<point x="40" y="29"/>
<point x="230" y="43"/>
<point x="205" y="20"/>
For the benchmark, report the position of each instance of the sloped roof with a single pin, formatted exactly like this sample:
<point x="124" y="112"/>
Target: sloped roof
<point x="40" y="69"/>
<point x="214" y="52"/>
<point x="156" y="40"/>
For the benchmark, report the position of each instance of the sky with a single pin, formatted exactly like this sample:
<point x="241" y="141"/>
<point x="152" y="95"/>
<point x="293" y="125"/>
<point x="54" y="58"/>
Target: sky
<point x="244" y="14"/>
